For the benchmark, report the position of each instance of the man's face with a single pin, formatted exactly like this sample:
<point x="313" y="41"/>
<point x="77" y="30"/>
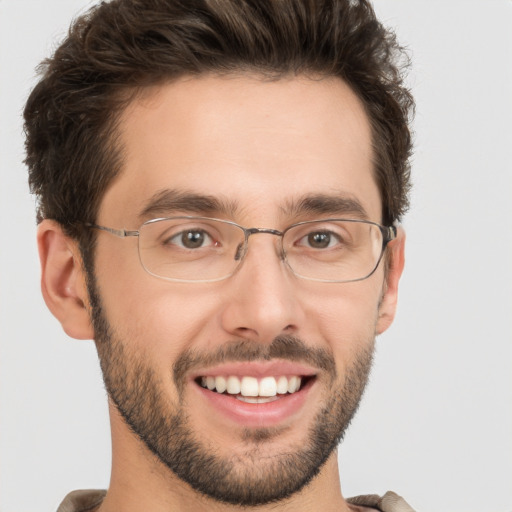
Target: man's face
<point x="260" y="150"/>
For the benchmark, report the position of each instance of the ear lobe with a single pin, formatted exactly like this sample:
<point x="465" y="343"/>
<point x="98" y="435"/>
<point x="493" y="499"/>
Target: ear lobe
<point x="396" y="261"/>
<point x="63" y="282"/>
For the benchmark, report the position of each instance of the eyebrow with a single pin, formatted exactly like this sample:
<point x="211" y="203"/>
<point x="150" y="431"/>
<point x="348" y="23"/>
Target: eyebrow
<point x="169" y="201"/>
<point x="326" y="204"/>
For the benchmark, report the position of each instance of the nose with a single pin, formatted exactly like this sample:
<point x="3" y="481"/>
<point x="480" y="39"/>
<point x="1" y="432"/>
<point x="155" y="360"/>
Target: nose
<point x="260" y="299"/>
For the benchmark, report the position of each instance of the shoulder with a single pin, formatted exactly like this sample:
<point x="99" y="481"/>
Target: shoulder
<point x="390" y="502"/>
<point x="82" y="501"/>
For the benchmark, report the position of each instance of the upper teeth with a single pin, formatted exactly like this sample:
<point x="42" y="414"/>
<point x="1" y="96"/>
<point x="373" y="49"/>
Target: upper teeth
<point x="251" y="386"/>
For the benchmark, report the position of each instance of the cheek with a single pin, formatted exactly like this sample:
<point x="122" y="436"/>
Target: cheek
<point x="160" y="318"/>
<point x="346" y="316"/>
<point x="169" y="319"/>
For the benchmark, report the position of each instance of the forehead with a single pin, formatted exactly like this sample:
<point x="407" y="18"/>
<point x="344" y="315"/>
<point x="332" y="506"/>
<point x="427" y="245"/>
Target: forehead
<point x="255" y="146"/>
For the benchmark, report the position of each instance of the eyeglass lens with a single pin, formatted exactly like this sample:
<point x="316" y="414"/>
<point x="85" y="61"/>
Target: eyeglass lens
<point x="202" y="249"/>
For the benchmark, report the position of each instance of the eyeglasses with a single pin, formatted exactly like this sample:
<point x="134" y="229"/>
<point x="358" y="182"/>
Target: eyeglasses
<point x="202" y="249"/>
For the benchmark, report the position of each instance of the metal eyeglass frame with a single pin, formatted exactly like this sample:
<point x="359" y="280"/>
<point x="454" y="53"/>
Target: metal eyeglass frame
<point x="389" y="233"/>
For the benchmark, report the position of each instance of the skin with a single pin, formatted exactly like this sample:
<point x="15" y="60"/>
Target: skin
<point x="261" y="145"/>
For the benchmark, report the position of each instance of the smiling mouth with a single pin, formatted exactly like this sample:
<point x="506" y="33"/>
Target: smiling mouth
<point x="253" y="390"/>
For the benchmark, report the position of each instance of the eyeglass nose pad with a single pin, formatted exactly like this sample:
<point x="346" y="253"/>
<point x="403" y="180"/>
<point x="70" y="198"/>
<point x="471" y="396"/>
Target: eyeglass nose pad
<point x="241" y="250"/>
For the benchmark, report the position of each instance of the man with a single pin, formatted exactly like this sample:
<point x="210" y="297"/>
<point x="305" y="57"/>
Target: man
<point x="219" y="185"/>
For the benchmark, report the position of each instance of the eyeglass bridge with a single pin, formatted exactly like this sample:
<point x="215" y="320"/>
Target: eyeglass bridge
<point x="241" y="250"/>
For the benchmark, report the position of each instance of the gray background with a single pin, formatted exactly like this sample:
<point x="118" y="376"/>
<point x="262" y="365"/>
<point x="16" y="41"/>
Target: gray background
<point x="436" y="422"/>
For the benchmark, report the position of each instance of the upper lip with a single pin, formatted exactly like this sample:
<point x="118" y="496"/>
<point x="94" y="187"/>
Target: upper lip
<point x="258" y="369"/>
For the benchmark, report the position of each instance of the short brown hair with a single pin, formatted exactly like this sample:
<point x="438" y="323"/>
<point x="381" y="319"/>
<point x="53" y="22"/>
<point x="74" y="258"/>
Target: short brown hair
<point x="119" y="47"/>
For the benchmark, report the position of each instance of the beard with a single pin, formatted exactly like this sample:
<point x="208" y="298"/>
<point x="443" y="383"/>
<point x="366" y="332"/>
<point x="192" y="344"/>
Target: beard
<point x="254" y="477"/>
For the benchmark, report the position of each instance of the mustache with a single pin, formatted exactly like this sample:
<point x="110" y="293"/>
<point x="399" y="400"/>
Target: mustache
<point x="286" y="347"/>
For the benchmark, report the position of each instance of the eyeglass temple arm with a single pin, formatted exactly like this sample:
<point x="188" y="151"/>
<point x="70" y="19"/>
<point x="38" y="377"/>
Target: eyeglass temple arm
<point x="122" y="233"/>
<point x="391" y="233"/>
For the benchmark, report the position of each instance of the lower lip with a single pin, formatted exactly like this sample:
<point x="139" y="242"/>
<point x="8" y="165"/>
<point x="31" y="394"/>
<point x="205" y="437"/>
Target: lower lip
<point x="257" y="415"/>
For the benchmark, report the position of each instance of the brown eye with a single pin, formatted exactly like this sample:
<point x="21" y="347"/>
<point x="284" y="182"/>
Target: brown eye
<point x="191" y="239"/>
<point x="319" y="240"/>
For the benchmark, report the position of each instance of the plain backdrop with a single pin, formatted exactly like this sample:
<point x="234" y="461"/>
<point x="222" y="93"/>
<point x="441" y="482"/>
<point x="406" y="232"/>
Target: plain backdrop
<point x="436" y="421"/>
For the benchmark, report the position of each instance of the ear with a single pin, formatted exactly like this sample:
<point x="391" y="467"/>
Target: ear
<point x="63" y="280"/>
<point x="395" y="266"/>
